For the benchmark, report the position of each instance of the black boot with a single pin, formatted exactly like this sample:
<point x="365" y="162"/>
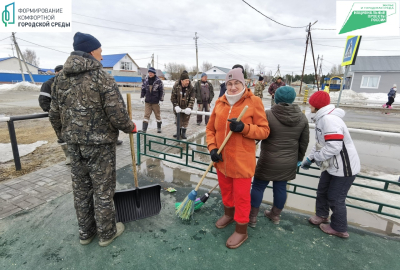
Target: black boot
<point x="144" y="127"/>
<point x="183" y="133"/>
<point x="159" y="127"/>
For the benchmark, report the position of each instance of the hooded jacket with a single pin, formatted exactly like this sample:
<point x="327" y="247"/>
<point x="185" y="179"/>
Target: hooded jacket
<point x="239" y="154"/>
<point x="392" y="92"/>
<point x="337" y="146"/>
<point x="286" y="144"/>
<point x="87" y="107"/>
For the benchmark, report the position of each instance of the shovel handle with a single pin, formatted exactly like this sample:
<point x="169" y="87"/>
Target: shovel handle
<point x="129" y="104"/>
<point x="221" y="148"/>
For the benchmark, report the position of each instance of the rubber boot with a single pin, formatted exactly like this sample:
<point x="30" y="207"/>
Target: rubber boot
<point x="159" y="127"/>
<point x="144" y="127"/>
<point x="390" y="107"/>
<point x="238" y="237"/>
<point x="183" y="133"/>
<point x="274" y="214"/>
<point x="64" y="147"/>
<point x="253" y="216"/>
<point x="227" y="218"/>
<point x="120" y="230"/>
<point x="384" y="106"/>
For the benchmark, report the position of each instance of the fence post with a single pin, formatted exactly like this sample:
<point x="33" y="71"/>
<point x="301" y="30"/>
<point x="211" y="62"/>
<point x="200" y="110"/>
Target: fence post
<point x="178" y="126"/>
<point x="138" y="149"/>
<point x="14" y="145"/>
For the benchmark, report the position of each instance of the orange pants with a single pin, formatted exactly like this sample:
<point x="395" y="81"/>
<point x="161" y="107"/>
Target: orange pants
<point x="236" y="193"/>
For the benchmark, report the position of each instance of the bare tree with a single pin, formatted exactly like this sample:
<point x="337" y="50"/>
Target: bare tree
<point x="261" y="68"/>
<point x="31" y="57"/>
<point x="334" y="70"/>
<point x="175" y="70"/>
<point x="206" y="66"/>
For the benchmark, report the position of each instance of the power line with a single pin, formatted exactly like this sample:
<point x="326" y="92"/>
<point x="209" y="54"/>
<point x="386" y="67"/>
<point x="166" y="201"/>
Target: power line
<point x="132" y="24"/>
<point x="273" y="19"/>
<point x="158" y="34"/>
<point x="43" y="46"/>
<point x="4" y="39"/>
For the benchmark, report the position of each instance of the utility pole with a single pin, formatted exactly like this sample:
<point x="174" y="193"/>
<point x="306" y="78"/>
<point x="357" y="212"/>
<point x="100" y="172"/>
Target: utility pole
<point x="152" y="60"/>
<point x="308" y="30"/>
<point x="20" y="53"/>
<point x="315" y="66"/>
<point x="291" y="79"/>
<point x="197" y="53"/>
<point x="157" y="61"/>
<point x="19" y="59"/>
<point x="320" y="69"/>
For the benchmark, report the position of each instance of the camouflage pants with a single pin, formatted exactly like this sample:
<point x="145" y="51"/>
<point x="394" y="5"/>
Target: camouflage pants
<point x="93" y="183"/>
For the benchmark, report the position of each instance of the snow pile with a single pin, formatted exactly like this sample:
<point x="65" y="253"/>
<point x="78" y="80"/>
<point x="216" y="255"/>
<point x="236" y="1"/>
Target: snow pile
<point x="22" y="86"/>
<point x="381" y="97"/>
<point x="23" y="149"/>
<point x="168" y="83"/>
<point x="348" y="95"/>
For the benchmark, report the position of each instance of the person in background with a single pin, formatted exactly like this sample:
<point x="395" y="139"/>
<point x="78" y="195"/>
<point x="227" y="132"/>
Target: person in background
<point x="391" y="97"/>
<point x="273" y="87"/>
<point x="260" y="86"/>
<point x="183" y="98"/>
<point x="204" y="95"/>
<point x="86" y="111"/>
<point x="236" y="163"/>
<point x="281" y="153"/>
<point x="337" y="157"/>
<point x="44" y="103"/>
<point x="152" y="96"/>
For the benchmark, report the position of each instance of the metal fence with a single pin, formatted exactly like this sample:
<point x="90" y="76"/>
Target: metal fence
<point x="184" y="153"/>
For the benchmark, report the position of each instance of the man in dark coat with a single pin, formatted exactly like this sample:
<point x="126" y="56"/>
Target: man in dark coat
<point x="204" y="95"/>
<point x="87" y="111"/>
<point x="152" y="96"/>
<point x="45" y="91"/>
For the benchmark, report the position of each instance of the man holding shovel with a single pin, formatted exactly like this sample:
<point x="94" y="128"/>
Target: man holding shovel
<point x="86" y="111"/>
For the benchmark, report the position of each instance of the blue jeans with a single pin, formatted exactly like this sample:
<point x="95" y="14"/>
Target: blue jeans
<point x="279" y="190"/>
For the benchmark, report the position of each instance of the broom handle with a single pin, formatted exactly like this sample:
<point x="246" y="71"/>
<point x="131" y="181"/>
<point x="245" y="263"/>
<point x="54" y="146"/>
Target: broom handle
<point x="220" y="149"/>
<point x="211" y="190"/>
<point x="128" y="101"/>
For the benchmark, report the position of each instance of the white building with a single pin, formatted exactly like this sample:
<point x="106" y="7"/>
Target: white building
<point x="11" y="65"/>
<point x="120" y="65"/>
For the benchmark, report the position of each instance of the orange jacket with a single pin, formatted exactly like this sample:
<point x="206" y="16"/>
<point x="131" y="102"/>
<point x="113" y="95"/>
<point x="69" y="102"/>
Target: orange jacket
<point x="239" y="154"/>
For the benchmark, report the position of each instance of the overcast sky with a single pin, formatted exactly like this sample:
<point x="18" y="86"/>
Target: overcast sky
<point x="229" y="31"/>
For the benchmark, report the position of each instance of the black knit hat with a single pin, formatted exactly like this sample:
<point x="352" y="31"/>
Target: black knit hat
<point x="239" y="66"/>
<point x="260" y="78"/>
<point x="58" y="68"/>
<point x="184" y="76"/>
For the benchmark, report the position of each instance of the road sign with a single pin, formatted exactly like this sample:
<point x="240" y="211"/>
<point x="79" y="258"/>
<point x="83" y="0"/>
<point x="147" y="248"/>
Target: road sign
<point x="351" y="50"/>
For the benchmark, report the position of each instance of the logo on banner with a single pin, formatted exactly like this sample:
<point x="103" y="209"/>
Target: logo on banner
<point x="8" y="15"/>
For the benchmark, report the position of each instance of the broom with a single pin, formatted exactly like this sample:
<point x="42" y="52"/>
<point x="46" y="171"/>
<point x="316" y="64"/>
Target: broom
<point x="186" y="209"/>
<point x="199" y="202"/>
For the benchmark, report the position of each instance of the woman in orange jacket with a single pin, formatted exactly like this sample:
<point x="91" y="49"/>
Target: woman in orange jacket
<point x="237" y="162"/>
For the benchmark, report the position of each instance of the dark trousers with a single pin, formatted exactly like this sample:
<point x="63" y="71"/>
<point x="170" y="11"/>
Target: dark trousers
<point x="206" y="107"/>
<point x="390" y="102"/>
<point x="332" y="192"/>
<point x="278" y="188"/>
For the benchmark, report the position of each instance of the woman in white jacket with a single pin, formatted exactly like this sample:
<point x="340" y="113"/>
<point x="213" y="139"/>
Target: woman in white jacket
<point x="337" y="157"/>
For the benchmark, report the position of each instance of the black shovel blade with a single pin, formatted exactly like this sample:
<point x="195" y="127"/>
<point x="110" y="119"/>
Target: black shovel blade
<point x="137" y="203"/>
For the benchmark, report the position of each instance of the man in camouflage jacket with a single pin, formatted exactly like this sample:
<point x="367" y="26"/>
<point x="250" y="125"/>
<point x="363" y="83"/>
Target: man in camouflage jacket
<point x="273" y="87"/>
<point x="260" y="86"/>
<point x="182" y="98"/>
<point x="86" y="111"/>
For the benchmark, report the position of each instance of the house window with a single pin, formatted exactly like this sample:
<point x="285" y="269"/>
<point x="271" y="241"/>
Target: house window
<point x="126" y="65"/>
<point x="370" y="81"/>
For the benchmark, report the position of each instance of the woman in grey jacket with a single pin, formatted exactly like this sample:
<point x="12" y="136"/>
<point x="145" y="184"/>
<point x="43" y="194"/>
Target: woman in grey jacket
<point x="281" y="153"/>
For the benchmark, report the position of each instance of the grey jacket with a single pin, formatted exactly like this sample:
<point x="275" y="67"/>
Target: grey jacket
<point x="286" y="144"/>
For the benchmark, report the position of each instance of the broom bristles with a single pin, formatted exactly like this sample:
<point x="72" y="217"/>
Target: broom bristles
<point x="186" y="209"/>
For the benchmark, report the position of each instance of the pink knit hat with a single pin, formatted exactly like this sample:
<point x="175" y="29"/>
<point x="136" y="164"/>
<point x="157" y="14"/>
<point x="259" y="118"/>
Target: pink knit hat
<point x="235" y="74"/>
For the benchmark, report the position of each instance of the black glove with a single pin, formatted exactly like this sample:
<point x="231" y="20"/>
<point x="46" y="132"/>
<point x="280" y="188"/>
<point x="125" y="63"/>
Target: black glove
<point x="215" y="157"/>
<point x="236" y="126"/>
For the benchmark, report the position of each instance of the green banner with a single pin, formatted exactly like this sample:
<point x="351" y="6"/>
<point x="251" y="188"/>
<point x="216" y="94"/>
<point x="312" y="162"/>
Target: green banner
<point x="363" y="19"/>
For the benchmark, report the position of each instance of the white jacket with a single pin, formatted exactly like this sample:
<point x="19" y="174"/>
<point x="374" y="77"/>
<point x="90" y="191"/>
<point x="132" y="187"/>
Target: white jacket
<point x="337" y="146"/>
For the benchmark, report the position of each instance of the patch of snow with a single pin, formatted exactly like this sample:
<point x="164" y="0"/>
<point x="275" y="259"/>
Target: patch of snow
<point x="21" y="86"/>
<point x="348" y="95"/>
<point x="23" y="149"/>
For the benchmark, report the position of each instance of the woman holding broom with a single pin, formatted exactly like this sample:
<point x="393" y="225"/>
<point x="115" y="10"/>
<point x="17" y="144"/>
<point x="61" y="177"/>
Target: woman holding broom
<point x="237" y="161"/>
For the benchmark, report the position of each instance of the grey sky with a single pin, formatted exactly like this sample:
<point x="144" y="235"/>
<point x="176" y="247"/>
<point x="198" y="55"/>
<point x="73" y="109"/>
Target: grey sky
<point x="230" y="32"/>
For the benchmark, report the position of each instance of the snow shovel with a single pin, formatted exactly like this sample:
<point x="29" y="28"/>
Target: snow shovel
<point x="136" y="203"/>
